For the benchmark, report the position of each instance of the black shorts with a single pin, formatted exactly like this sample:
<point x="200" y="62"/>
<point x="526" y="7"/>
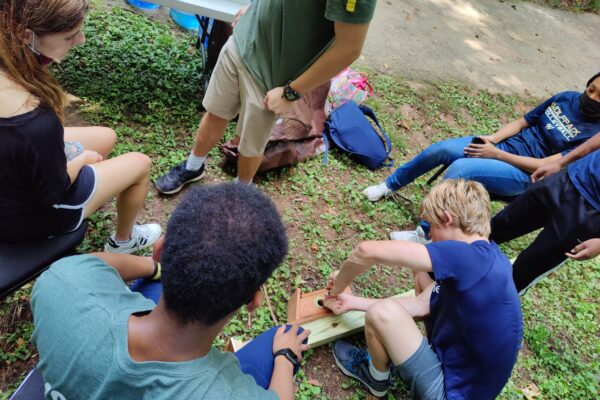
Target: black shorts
<point x="67" y="216"/>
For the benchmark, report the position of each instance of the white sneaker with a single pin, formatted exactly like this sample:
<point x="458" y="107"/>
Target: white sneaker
<point x="376" y="192"/>
<point x="141" y="237"/>
<point x="417" y="236"/>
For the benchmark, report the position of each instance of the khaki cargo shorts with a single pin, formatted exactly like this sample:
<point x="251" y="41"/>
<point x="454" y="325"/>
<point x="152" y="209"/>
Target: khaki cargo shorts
<point x="233" y="90"/>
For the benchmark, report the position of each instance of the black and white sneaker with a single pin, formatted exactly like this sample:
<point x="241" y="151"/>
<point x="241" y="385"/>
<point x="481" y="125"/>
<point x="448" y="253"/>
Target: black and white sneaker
<point x="141" y="237"/>
<point x="354" y="362"/>
<point x="174" y="180"/>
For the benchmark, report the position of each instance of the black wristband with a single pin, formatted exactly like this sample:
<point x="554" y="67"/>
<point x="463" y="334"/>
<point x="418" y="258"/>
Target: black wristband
<point x="289" y="355"/>
<point x="289" y="93"/>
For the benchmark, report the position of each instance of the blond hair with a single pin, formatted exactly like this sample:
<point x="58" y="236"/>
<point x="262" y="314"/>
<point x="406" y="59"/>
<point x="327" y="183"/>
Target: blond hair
<point x="466" y="201"/>
<point x="42" y="17"/>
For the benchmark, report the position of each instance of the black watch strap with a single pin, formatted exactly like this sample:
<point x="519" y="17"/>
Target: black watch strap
<point x="289" y="93"/>
<point x="289" y="354"/>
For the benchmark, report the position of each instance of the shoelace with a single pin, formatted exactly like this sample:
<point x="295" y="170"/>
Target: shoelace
<point x="357" y="357"/>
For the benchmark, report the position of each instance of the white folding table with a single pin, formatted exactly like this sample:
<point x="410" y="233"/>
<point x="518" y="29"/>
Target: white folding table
<point x="222" y="10"/>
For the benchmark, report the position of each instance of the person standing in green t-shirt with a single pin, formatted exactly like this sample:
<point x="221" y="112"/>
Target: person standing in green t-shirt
<point x="279" y="51"/>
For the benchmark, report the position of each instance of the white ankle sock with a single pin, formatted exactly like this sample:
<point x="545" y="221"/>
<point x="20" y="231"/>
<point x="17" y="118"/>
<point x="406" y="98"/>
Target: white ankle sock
<point x="194" y="162"/>
<point x="376" y="374"/>
<point x="237" y="180"/>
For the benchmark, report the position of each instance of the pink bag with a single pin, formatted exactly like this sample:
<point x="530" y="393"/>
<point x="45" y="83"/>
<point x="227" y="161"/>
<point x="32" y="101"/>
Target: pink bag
<point x="348" y="85"/>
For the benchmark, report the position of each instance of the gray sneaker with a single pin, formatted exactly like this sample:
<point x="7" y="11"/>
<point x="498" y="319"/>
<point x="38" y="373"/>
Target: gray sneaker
<point x="174" y="180"/>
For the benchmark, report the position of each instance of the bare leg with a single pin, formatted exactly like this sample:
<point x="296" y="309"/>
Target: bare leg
<point x="247" y="167"/>
<point x="211" y="130"/>
<point x="97" y="138"/>
<point x="130" y="267"/>
<point x="392" y="334"/>
<point x="127" y="176"/>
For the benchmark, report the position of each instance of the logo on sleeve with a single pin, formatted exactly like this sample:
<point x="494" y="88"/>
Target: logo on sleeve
<point x="558" y="120"/>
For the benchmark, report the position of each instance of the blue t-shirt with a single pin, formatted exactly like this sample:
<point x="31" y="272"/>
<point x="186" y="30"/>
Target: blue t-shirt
<point x="475" y="318"/>
<point x="556" y="126"/>
<point x="585" y="175"/>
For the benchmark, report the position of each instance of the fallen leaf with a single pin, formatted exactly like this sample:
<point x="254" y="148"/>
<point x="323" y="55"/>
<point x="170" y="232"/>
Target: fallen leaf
<point x="531" y="391"/>
<point x="403" y="124"/>
<point x="314" y="382"/>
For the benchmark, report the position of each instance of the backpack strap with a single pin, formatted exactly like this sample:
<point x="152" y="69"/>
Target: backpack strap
<point x="326" y="142"/>
<point x="387" y="143"/>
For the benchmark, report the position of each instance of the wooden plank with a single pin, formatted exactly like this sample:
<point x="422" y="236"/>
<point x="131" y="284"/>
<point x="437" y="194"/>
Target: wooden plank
<point x="327" y="329"/>
<point x="223" y="10"/>
<point x="234" y="344"/>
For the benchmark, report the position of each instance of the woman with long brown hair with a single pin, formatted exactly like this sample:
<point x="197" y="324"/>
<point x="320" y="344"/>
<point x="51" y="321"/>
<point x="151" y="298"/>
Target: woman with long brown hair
<point x="52" y="177"/>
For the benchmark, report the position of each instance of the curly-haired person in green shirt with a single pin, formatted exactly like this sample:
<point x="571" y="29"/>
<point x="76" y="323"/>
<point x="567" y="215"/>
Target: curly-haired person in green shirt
<point x="99" y="340"/>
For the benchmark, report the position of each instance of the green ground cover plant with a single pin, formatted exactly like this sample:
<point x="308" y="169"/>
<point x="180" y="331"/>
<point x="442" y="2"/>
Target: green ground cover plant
<point x="140" y="77"/>
<point x="573" y="5"/>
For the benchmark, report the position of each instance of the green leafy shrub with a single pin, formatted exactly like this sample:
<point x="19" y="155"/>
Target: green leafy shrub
<point x="134" y="67"/>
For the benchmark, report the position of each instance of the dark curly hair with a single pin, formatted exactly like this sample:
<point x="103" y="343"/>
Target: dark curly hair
<point x="222" y="242"/>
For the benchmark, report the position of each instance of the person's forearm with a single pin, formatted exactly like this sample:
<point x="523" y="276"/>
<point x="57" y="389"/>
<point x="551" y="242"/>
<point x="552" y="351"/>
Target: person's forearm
<point x="74" y="167"/>
<point x="282" y="380"/>
<point x="528" y="164"/>
<point x="348" y="271"/>
<point x="508" y="130"/>
<point x="348" y="43"/>
<point x="128" y="266"/>
<point x="362" y="303"/>
<point x="334" y="60"/>
<point x="581" y="151"/>
<point x="417" y="307"/>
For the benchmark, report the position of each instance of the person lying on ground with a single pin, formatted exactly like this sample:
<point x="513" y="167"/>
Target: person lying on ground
<point x="471" y="309"/>
<point x="566" y="204"/>
<point x="503" y="161"/>
<point x="279" y="51"/>
<point x="52" y="177"/>
<point x="99" y="340"/>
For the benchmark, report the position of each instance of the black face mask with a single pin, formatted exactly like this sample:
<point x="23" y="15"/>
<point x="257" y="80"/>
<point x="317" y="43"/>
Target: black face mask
<point x="589" y="107"/>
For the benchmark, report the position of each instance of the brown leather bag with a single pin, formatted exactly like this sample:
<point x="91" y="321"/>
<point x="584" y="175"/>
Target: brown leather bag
<point x="296" y="137"/>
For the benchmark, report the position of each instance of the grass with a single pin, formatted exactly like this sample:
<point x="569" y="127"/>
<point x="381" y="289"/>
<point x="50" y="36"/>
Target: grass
<point x="152" y="104"/>
<point x="573" y="5"/>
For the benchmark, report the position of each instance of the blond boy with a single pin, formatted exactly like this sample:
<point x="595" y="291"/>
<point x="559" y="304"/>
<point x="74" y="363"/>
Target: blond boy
<point x="471" y="307"/>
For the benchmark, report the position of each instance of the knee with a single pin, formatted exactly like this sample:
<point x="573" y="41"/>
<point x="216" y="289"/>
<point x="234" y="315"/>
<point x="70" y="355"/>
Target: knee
<point x="445" y="149"/>
<point x="383" y="313"/>
<point x="140" y="162"/>
<point x="109" y="136"/>
<point x="459" y="169"/>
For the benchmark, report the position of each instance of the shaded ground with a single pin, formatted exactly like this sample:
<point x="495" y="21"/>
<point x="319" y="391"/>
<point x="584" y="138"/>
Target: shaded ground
<point x="507" y="46"/>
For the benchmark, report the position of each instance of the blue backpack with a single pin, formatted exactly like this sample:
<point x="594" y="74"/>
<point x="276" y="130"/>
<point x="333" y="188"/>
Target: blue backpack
<point x="351" y="132"/>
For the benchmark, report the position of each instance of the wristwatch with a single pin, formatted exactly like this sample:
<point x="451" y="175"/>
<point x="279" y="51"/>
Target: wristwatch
<point x="289" y="93"/>
<point x="289" y="354"/>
